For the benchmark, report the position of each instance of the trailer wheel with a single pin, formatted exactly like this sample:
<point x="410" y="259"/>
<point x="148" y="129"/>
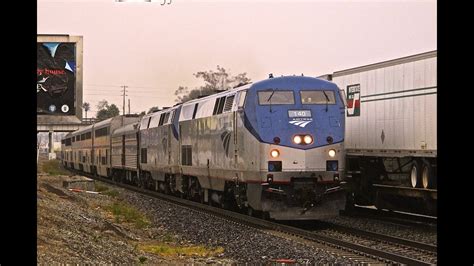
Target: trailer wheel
<point x="349" y="202"/>
<point x="415" y="174"/>
<point x="428" y="179"/>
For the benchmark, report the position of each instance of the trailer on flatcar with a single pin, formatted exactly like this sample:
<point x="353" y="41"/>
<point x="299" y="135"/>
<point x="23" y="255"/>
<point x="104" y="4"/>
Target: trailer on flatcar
<point x="391" y="133"/>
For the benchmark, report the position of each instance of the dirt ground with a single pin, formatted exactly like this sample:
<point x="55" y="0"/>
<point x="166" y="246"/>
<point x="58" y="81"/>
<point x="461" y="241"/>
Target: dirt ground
<point x="78" y="227"/>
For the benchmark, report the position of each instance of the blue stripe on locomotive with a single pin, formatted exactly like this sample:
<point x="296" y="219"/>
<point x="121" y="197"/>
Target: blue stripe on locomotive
<point x="175" y="124"/>
<point x="266" y="125"/>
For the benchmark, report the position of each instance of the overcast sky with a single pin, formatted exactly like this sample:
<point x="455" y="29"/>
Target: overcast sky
<point x="153" y="49"/>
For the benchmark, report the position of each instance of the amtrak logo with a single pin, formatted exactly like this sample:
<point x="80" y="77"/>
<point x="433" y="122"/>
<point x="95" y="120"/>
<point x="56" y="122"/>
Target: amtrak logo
<point x="300" y="123"/>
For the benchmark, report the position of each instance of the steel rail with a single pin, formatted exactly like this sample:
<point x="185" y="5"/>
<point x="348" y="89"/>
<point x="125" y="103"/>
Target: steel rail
<point x="391" y="216"/>
<point x="382" y="237"/>
<point x="382" y="256"/>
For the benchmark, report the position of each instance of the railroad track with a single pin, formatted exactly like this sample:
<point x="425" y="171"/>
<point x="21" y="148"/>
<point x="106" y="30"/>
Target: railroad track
<point x="395" y="245"/>
<point x="354" y="246"/>
<point x="390" y="216"/>
<point x="382" y="237"/>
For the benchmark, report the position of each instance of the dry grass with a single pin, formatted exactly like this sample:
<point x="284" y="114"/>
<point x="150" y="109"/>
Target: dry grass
<point x="112" y="192"/>
<point x="99" y="187"/>
<point x="169" y="250"/>
<point x="126" y="213"/>
<point x="54" y="167"/>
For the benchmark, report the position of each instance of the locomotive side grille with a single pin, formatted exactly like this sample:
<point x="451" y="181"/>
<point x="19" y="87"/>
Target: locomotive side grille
<point x="228" y="103"/>
<point x="143" y="155"/>
<point x="186" y="155"/>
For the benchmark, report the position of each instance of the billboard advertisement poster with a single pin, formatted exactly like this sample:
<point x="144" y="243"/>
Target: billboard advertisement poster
<point x="56" y="78"/>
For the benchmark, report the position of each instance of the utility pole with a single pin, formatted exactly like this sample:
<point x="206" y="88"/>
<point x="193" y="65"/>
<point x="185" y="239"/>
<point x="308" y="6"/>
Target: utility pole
<point x="123" y="106"/>
<point x="129" y="106"/>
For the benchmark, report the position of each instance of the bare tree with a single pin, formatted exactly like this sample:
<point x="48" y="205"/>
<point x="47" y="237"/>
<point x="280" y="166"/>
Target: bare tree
<point x="214" y="81"/>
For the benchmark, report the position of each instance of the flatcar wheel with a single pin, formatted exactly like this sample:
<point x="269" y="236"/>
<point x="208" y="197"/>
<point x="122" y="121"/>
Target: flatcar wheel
<point x="415" y="174"/>
<point x="427" y="176"/>
<point x="349" y="202"/>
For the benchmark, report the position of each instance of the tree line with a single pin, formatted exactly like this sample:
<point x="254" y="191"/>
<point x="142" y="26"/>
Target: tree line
<point x="214" y="81"/>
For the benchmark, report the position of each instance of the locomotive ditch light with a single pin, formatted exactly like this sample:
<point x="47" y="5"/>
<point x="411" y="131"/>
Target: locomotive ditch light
<point x="269" y="178"/>
<point x="275" y="153"/>
<point x="276" y="140"/>
<point x="297" y="139"/>
<point x="329" y="139"/>
<point x="308" y="139"/>
<point x="332" y="153"/>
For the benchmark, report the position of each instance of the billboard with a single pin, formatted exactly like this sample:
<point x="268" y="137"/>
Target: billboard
<point x="56" y="78"/>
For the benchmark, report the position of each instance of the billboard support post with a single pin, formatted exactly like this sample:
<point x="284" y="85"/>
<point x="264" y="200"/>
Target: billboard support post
<point x="51" y="145"/>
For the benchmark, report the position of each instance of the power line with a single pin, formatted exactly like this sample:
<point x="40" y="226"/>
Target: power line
<point x="107" y="89"/>
<point x="97" y="85"/>
<point x="116" y="86"/>
<point x="102" y="90"/>
<point x="133" y="96"/>
<point x="128" y="91"/>
<point x="143" y="87"/>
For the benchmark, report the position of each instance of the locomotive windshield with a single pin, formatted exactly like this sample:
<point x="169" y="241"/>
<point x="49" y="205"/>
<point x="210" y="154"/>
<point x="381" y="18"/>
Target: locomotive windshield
<point x="275" y="97"/>
<point x="317" y="97"/>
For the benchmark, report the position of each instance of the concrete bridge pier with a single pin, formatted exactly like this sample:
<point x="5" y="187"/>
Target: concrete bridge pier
<point x="52" y="155"/>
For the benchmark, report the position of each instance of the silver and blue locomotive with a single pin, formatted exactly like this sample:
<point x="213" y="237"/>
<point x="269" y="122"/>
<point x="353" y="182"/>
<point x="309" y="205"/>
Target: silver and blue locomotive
<point x="272" y="148"/>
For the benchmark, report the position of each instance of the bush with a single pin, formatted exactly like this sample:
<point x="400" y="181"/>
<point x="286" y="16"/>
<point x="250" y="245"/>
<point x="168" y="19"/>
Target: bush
<point x="54" y="167"/>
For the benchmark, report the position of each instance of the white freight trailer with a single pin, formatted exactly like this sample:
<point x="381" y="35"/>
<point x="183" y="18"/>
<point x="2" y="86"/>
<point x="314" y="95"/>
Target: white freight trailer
<point x="391" y="127"/>
<point x="395" y="110"/>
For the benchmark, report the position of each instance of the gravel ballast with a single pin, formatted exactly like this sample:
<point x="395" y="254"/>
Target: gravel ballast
<point x="418" y="234"/>
<point x="76" y="227"/>
<point x="241" y="243"/>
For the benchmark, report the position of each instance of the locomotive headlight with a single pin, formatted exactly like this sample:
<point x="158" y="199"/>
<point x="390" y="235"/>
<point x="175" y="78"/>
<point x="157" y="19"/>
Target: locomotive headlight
<point x="308" y="139"/>
<point x="297" y="139"/>
<point x="332" y="153"/>
<point x="275" y="153"/>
